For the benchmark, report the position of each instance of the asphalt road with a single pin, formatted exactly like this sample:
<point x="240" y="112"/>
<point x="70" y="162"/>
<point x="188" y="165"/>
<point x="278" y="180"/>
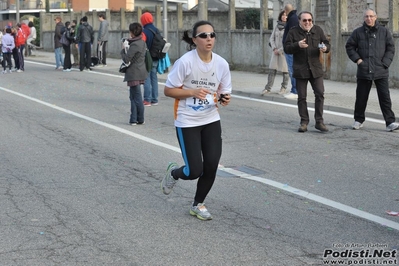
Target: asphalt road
<point x="79" y="186"/>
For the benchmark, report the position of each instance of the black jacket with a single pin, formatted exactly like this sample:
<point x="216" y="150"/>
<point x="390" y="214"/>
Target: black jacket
<point x="375" y="46"/>
<point x="292" y="21"/>
<point x="85" y="33"/>
<point x="306" y="60"/>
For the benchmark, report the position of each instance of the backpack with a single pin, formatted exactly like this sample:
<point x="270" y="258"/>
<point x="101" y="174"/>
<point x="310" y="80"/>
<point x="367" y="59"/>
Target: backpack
<point x="157" y="45"/>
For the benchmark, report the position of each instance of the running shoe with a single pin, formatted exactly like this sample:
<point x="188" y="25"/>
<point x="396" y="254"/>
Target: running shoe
<point x="201" y="212"/>
<point x="168" y="182"/>
<point x="392" y="127"/>
<point x="357" y="125"/>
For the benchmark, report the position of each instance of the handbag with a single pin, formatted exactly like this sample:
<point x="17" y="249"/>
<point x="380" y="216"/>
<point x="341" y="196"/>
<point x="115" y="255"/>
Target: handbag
<point x="124" y="66"/>
<point x="64" y="40"/>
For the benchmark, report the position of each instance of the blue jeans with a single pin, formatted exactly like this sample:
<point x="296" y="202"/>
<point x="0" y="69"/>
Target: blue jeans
<point x="136" y="105"/>
<point x="151" y="85"/>
<point x="290" y="61"/>
<point x="59" y="60"/>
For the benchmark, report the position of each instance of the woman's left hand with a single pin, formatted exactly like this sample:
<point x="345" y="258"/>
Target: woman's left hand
<point x="225" y="99"/>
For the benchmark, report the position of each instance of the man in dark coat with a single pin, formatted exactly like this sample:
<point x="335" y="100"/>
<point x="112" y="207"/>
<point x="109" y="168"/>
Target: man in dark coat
<point x="85" y="36"/>
<point x="59" y="28"/>
<point x="306" y="42"/>
<point x="372" y="48"/>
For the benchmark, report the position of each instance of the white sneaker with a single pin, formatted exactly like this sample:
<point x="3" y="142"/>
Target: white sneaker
<point x="282" y="91"/>
<point x="357" y="125"/>
<point x="291" y="96"/>
<point x="168" y="182"/>
<point x="20" y="71"/>
<point x="265" y="91"/>
<point x="201" y="212"/>
<point x="3" y="72"/>
<point x="392" y="127"/>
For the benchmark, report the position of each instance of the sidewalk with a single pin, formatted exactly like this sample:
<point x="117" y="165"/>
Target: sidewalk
<point x="339" y="96"/>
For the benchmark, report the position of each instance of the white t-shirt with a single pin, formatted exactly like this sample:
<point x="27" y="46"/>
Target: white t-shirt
<point x="190" y="72"/>
<point x="32" y="33"/>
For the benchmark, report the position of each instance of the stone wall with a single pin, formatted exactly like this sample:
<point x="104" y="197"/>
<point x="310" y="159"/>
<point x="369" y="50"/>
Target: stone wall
<point x="243" y="49"/>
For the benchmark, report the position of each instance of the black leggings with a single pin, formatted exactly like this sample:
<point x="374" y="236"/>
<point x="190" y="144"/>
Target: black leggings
<point x="201" y="150"/>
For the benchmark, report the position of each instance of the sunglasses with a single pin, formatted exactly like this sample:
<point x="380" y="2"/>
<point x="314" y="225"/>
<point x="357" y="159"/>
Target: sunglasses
<point x="204" y="35"/>
<point x="308" y="20"/>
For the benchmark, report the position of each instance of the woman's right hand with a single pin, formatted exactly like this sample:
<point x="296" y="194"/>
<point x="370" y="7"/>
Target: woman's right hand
<point x="200" y="93"/>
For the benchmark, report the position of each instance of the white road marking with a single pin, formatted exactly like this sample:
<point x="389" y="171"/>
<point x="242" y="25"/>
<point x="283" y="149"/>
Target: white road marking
<point x="302" y="193"/>
<point x="309" y="108"/>
<point x="119" y="129"/>
<point x="319" y="199"/>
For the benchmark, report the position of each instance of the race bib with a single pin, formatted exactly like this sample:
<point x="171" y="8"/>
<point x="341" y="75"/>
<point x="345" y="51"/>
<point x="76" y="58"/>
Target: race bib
<point x="199" y="105"/>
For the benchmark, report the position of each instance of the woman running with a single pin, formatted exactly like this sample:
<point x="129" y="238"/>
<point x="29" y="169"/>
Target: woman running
<point x="198" y="80"/>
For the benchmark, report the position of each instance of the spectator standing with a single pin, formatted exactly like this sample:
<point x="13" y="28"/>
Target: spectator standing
<point x="102" y="41"/>
<point x="136" y="72"/>
<point x="74" y="50"/>
<point x="151" y="83"/>
<point x="196" y="81"/>
<point x="372" y="48"/>
<point x="67" y="48"/>
<point x="1" y="51"/>
<point x="292" y="21"/>
<point x="278" y="61"/>
<point x="15" y="50"/>
<point x="7" y="46"/>
<point x="1" y="36"/>
<point x="31" y="38"/>
<point x="20" y="40"/>
<point x="85" y="38"/>
<point x="59" y="27"/>
<point x="305" y="43"/>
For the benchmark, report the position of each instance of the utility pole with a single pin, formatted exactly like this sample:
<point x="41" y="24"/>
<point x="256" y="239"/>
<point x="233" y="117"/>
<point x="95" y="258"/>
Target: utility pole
<point x="165" y="19"/>
<point x="17" y="10"/>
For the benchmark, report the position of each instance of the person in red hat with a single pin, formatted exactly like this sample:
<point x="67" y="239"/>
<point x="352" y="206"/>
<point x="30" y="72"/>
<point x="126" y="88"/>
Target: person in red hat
<point x="151" y="83"/>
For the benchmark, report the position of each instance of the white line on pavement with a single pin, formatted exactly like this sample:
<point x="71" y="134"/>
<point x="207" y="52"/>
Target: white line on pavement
<point x="313" y="197"/>
<point x="302" y="193"/>
<point x="119" y="129"/>
<point x="309" y="108"/>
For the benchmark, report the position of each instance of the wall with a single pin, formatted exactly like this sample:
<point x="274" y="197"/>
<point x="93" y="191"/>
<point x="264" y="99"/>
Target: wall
<point x="98" y="4"/>
<point x="80" y="5"/>
<point x="115" y="5"/>
<point x="243" y="49"/>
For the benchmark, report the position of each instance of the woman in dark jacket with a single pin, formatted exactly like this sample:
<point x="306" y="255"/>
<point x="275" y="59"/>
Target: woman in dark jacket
<point x="136" y="72"/>
<point x="67" y="48"/>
